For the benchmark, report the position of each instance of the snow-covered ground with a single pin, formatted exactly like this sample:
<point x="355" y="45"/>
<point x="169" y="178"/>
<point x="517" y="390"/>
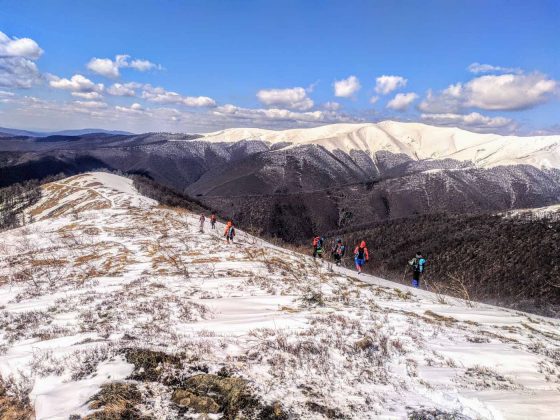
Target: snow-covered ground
<point x="418" y="141"/>
<point x="102" y="269"/>
<point x="538" y="212"/>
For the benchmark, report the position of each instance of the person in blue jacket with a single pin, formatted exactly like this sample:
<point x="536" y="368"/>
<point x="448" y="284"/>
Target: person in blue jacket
<point x="417" y="264"/>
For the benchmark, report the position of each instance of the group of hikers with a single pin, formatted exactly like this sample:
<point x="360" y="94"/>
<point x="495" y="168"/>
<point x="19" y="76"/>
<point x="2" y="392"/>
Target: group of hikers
<point x="338" y="250"/>
<point x="361" y="257"/>
<point x="229" y="231"/>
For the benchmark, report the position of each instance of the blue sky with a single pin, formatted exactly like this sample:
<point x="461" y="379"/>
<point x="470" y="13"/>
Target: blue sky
<point x="489" y="66"/>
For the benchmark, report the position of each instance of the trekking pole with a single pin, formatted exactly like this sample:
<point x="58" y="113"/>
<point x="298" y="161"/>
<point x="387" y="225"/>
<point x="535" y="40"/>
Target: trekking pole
<point x="404" y="274"/>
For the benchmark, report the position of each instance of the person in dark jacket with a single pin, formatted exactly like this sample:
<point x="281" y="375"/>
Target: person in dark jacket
<point x="417" y="264"/>
<point x="338" y="251"/>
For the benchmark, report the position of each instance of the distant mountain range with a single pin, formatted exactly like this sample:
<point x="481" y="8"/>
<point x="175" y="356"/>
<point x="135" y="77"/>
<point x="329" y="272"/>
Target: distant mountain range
<point x="5" y="132"/>
<point x="294" y="183"/>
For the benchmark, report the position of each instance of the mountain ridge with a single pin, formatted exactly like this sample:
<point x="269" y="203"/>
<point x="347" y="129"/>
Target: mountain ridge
<point x="416" y="140"/>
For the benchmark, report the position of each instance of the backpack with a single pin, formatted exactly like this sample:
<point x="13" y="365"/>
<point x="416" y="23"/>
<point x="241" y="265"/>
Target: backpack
<point x="361" y="253"/>
<point x="318" y="242"/>
<point x="417" y="264"/>
<point x="339" y="249"/>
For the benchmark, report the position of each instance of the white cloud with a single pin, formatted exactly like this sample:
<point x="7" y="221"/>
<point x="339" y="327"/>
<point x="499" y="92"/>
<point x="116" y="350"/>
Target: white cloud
<point x="88" y="95"/>
<point x="477" y="68"/>
<point x="292" y="98"/>
<point x="143" y="65"/>
<point x="17" y="62"/>
<point x="269" y="115"/>
<point x="331" y="106"/>
<point x="386" y="84"/>
<point x="76" y="83"/>
<point x="402" y="101"/>
<point x="123" y="89"/>
<point x="19" y="47"/>
<point x="91" y="104"/>
<point x="111" y="68"/>
<point x="373" y="100"/>
<point x="505" y="92"/>
<point x="104" y="66"/>
<point x="474" y="120"/>
<point x="135" y="108"/>
<point x="160" y="95"/>
<point x="345" y="88"/>
<point x="509" y="91"/>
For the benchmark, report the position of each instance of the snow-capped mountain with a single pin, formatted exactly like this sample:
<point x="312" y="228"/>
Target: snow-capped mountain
<point x="415" y="140"/>
<point x="324" y="178"/>
<point x="111" y="304"/>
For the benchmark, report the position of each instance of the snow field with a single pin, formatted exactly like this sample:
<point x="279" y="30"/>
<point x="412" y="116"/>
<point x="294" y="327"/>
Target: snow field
<point x="78" y="288"/>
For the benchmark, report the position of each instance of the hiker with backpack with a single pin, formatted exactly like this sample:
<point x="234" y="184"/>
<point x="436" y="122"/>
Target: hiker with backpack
<point x="361" y="256"/>
<point x="318" y="246"/>
<point x="417" y="264"/>
<point x="338" y="251"/>
<point x="229" y="231"/>
<point x="213" y="221"/>
<point x="202" y="219"/>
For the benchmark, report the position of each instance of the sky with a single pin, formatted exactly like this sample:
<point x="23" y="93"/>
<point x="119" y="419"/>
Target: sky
<point x="204" y="65"/>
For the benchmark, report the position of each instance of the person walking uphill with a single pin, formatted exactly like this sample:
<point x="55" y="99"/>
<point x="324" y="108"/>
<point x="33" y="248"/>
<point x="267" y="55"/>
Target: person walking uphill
<point x="361" y="256"/>
<point x="213" y="220"/>
<point x="417" y="264"/>
<point x="229" y="231"/>
<point x="338" y="251"/>
<point x="318" y="247"/>
<point x="202" y="219"/>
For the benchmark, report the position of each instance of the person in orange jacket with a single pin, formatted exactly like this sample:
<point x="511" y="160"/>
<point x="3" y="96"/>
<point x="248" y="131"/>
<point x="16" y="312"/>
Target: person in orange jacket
<point x="361" y="256"/>
<point x="229" y="231"/>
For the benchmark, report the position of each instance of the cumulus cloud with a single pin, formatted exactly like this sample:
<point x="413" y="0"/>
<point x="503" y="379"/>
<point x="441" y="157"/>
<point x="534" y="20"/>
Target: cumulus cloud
<point x="111" y="68"/>
<point x="373" y="100"/>
<point x="387" y="84"/>
<point x="17" y="62"/>
<point x="478" y="68"/>
<point x="88" y="95"/>
<point x="402" y="101"/>
<point x="292" y="98"/>
<point x="346" y="88"/>
<point x="123" y="89"/>
<point x="260" y="116"/>
<point x="135" y="108"/>
<point x="76" y="83"/>
<point x="505" y="92"/>
<point x="162" y="96"/>
<point x="474" y="120"/>
<point x="19" y="47"/>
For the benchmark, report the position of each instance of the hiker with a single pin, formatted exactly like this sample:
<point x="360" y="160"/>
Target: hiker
<point x="213" y="220"/>
<point x="318" y="247"/>
<point x="417" y="264"/>
<point x="361" y="256"/>
<point x="229" y="231"/>
<point x="202" y="220"/>
<point x="338" y="251"/>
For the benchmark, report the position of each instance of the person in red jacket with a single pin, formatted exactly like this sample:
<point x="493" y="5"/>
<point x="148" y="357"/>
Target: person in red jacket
<point x="361" y="256"/>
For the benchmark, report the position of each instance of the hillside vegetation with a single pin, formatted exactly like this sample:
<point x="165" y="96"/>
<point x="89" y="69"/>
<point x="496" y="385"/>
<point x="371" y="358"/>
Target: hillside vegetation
<point x="512" y="261"/>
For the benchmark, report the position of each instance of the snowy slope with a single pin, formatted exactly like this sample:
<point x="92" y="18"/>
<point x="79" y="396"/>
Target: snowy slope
<point x="102" y="269"/>
<point x="419" y="141"/>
